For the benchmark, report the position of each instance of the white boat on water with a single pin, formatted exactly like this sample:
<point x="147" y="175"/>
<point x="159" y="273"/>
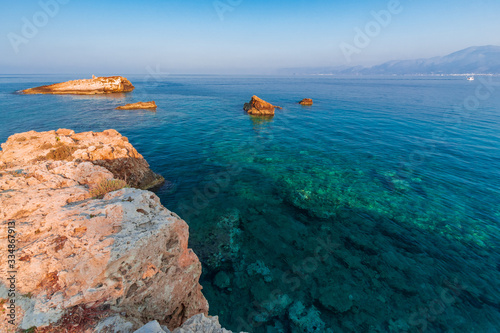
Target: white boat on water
<point x="470" y="78"/>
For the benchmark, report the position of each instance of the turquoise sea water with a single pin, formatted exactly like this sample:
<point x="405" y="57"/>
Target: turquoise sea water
<point x="375" y="210"/>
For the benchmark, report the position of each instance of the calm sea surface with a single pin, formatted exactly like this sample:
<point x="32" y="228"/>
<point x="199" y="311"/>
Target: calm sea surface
<point x="375" y="210"/>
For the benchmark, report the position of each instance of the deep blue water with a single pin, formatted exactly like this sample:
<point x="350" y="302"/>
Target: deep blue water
<point x="375" y="210"/>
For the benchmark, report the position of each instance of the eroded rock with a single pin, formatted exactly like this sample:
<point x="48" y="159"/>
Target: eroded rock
<point x="306" y="101"/>
<point x="96" y="85"/>
<point x="137" y="106"/>
<point x="258" y="106"/>
<point x="81" y="259"/>
<point x="108" y="149"/>
<point x="200" y="323"/>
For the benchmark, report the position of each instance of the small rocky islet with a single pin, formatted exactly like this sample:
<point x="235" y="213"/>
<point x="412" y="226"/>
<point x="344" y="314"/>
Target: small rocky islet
<point x="120" y="84"/>
<point x="259" y="107"/>
<point x="94" y="86"/>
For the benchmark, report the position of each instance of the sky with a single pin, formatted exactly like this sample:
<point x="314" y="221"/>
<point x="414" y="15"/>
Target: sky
<point x="233" y="36"/>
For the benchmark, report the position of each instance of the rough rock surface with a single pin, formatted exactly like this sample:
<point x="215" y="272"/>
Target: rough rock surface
<point x="258" y="106"/>
<point x="96" y="85"/>
<point x="200" y="323"/>
<point x="196" y="324"/>
<point x="138" y="106"/>
<point x="152" y="327"/>
<point x="82" y="259"/>
<point x="108" y="149"/>
<point x="306" y="101"/>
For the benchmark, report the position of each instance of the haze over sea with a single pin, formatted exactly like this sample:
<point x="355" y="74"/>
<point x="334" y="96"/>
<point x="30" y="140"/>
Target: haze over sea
<point x="375" y="210"/>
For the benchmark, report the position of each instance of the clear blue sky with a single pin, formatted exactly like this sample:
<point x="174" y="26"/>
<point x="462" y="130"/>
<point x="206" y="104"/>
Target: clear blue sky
<point x="189" y="36"/>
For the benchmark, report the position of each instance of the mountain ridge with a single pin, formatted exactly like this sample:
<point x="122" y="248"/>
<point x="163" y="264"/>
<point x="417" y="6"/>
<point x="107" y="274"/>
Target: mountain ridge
<point x="471" y="60"/>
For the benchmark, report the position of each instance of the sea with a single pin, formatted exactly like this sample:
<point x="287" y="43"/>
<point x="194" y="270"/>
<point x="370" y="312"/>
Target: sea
<point x="377" y="209"/>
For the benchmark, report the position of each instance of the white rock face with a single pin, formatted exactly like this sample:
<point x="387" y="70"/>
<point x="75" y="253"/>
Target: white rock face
<point x="151" y="327"/>
<point x="114" y="324"/>
<point x="196" y="324"/>
<point x="200" y="323"/>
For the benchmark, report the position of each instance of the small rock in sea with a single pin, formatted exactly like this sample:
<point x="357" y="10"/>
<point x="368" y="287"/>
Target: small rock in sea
<point x="258" y="106"/>
<point x="138" y="106"/>
<point x="306" y="101"/>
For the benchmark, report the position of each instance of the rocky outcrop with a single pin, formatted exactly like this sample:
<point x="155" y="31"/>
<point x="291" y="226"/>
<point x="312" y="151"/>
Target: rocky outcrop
<point x="138" y="106"/>
<point x="306" y="101"/>
<point x="84" y="258"/>
<point x="196" y="324"/>
<point x="96" y="85"/>
<point x="108" y="149"/>
<point x="258" y="106"/>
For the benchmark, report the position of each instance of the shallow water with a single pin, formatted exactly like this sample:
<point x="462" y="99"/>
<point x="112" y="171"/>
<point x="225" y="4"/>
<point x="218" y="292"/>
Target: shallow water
<point x="375" y="210"/>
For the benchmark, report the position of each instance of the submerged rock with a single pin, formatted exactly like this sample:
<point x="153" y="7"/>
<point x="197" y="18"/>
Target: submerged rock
<point x="258" y="106"/>
<point x="223" y="242"/>
<point x="259" y="268"/>
<point x="306" y="101"/>
<point x="336" y="298"/>
<point x="138" y="106"/>
<point x="306" y="320"/>
<point x="96" y="85"/>
<point x="222" y="280"/>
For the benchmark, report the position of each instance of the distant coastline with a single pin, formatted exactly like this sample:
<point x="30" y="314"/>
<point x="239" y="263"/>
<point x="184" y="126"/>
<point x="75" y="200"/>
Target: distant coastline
<point x="405" y="75"/>
<point x="476" y="60"/>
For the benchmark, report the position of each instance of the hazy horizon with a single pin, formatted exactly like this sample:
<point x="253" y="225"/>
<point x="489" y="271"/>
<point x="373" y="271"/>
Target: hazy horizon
<point x="234" y="36"/>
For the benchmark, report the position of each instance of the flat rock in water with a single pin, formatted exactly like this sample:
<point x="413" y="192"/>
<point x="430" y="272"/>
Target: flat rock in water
<point x="138" y="106"/>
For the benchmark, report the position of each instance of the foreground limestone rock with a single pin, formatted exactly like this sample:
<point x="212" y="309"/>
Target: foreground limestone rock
<point x="258" y="106"/>
<point x="83" y="260"/>
<point x="137" y="106"/>
<point x="96" y="85"/>
<point x="108" y="149"/>
<point x="306" y="101"/>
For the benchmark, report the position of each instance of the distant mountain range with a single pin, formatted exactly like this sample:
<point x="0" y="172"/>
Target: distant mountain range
<point x="472" y="60"/>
